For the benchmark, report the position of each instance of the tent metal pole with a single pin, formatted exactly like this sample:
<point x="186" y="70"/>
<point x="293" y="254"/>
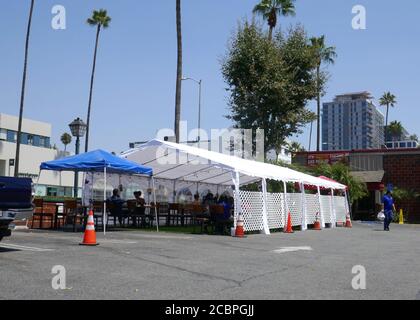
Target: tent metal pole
<point x="238" y="208"/>
<point x="347" y="203"/>
<point x="286" y="205"/>
<point x="265" y="207"/>
<point x="105" y="218"/>
<point x="304" y="213"/>
<point x="154" y="199"/>
<point x="320" y="207"/>
<point x="333" y="214"/>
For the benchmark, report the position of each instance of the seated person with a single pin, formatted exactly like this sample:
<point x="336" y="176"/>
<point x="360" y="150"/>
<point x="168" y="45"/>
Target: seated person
<point x="117" y="205"/>
<point x="209" y="199"/>
<point x="140" y="202"/>
<point x="196" y="201"/>
<point x="140" y="210"/>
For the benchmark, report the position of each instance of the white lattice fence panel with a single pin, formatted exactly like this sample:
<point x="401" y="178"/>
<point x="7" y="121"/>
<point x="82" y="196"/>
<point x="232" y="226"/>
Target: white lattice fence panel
<point x="312" y="208"/>
<point x="252" y="210"/>
<point x="340" y="208"/>
<point x="294" y="201"/>
<point x="326" y="208"/>
<point x="275" y="210"/>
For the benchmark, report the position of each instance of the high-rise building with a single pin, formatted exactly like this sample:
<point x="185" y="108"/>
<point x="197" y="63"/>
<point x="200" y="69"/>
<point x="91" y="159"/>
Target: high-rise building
<point x="352" y="122"/>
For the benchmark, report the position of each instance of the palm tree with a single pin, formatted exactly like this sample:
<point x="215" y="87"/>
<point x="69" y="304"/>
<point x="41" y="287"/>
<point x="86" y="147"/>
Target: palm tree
<point x="395" y="130"/>
<point x="271" y="9"/>
<point x="295" y="147"/>
<point x="66" y="140"/>
<point x="323" y="54"/>
<point x="179" y="70"/>
<point x="388" y="100"/>
<point x="100" y="19"/>
<point x="22" y="94"/>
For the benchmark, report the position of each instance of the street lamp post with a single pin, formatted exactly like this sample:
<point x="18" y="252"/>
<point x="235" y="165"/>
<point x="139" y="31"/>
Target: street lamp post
<point x="78" y="130"/>
<point x="199" y="82"/>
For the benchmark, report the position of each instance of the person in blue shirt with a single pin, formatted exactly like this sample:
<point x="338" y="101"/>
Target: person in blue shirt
<point x="388" y="207"/>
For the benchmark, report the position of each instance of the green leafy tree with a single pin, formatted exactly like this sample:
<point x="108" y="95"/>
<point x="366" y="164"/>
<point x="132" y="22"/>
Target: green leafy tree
<point x="178" y="70"/>
<point x="414" y="137"/>
<point x="22" y="94"/>
<point x="270" y="82"/>
<point x="272" y="9"/>
<point x="404" y="199"/>
<point x="395" y="130"/>
<point x="100" y="20"/>
<point x="388" y="100"/>
<point x="66" y="140"/>
<point x="326" y="55"/>
<point x="341" y="173"/>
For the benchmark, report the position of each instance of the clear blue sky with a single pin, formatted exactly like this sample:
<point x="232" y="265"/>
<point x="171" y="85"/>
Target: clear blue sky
<point x="135" y="80"/>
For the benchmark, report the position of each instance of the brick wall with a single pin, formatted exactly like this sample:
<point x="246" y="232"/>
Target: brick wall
<point x="403" y="171"/>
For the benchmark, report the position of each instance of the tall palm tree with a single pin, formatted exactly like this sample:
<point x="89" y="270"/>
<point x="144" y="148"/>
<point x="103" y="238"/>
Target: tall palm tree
<point x="327" y="55"/>
<point x="100" y="19"/>
<point x="395" y="130"/>
<point x="22" y="94"/>
<point x="66" y="140"/>
<point x="388" y="100"/>
<point x="178" y="70"/>
<point x="272" y="9"/>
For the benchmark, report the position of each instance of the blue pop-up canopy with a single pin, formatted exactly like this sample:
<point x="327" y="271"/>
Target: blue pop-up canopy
<point x="100" y="161"/>
<point x="97" y="161"/>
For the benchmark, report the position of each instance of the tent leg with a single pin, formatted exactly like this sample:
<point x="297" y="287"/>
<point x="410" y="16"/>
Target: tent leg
<point x="154" y="199"/>
<point x="265" y="211"/>
<point x="347" y="204"/>
<point x="304" y="222"/>
<point x="238" y="208"/>
<point x="320" y="208"/>
<point x="333" y="214"/>
<point x="286" y="205"/>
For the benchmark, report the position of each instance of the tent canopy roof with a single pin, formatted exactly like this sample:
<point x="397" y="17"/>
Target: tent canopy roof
<point x="180" y="162"/>
<point x="96" y="161"/>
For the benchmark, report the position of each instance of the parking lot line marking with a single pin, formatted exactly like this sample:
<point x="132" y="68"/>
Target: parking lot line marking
<point x="23" y="248"/>
<point x="118" y="241"/>
<point x="292" y="249"/>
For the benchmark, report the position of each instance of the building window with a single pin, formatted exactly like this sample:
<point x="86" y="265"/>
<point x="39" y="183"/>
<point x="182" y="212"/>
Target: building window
<point x="3" y="134"/>
<point x="11" y="136"/>
<point x="30" y="139"/>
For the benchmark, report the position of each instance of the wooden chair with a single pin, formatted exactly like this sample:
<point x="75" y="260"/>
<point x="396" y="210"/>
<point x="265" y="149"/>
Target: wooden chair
<point x="218" y="220"/>
<point x="199" y="217"/>
<point x="72" y="214"/>
<point x="41" y="213"/>
<point x="98" y="213"/>
<point x="175" y="213"/>
<point x="134" y="213"/>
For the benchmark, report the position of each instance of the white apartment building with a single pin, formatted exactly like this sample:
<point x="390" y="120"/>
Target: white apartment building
<point x="352" y="122"/>
<point x="35" y="149"/>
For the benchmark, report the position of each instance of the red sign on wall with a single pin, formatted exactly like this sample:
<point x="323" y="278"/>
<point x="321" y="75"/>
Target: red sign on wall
<point x="316" y="159"/>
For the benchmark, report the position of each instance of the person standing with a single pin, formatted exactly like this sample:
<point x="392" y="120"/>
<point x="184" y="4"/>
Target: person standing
<point x="388" y="208"/>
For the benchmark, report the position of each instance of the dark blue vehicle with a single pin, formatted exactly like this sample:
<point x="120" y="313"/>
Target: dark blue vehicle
<point x="15" y="198"/>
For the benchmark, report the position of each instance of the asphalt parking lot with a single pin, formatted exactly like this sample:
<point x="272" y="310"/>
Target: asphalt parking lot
<point x="142" y="265"/>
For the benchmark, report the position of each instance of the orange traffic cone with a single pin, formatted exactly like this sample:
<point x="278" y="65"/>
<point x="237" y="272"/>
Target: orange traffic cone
<point x="317" y="224"/>
<point x="240" y="233"/>
<point x="89" y="238"/>
<point x="348" y="222"/>
<point x="289" y="228"/>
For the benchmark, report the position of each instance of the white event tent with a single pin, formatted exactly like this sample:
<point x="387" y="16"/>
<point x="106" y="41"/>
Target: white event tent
<point x="178" y="163"/>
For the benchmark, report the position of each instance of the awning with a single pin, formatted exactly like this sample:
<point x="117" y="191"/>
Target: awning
<point x="180" y="162"/>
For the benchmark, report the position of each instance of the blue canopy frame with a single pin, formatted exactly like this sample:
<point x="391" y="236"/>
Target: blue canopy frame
<point x="101" y="161"/>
